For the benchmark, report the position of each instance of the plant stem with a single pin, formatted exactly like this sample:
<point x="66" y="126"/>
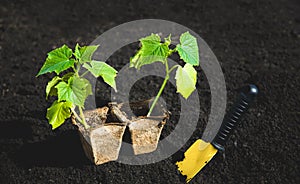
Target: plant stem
<point x="158" y="95"/>
<point x="82" y="119"/>
<point x="160" y="90"/>
<point x="76" y="68"/>
<point x="175" y="66"/>
<point x="84" y="73"/>
<point x="76" y="116"/>
<point x="86" y="126"/>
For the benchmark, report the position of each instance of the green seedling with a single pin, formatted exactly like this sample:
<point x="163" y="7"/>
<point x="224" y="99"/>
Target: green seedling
<point x="154" y="50"/>
<point x="71" y="88"/>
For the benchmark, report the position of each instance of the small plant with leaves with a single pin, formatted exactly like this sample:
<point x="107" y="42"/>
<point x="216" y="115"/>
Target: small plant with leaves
<point x="154" y="50"/>
<point x="68" y="85"/>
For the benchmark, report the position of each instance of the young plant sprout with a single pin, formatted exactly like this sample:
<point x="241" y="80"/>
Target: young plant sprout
<point x="153" y="50"/>
<point x="71" y="88"/>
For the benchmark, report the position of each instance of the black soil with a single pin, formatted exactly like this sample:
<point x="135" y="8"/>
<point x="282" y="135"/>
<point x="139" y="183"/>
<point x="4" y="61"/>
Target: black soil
<point x="255" y="41"/>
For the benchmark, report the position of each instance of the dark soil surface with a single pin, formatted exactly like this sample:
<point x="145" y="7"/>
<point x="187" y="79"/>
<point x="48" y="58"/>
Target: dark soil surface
<point x="255" y="41"/>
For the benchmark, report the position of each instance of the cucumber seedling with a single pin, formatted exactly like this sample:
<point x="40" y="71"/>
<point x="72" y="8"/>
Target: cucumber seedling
<point x="71" y="88"/>
<point x="153" y="50"/>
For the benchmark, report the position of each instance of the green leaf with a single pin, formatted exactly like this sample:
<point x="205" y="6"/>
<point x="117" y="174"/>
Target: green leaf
<point x="58" y="113"/>
<point x="85" y="53"/>
<point x="50" y="89"/>
<point x="188" y="49"/>
<point x="76" y="90"/>
<point x="88" y="87"/>
<point x="151" y="51"/>
<point x="77" y="53"/>
<point x="186" y="79"/>
<point x="57" y="61"/>
<point x="100" y="68"/>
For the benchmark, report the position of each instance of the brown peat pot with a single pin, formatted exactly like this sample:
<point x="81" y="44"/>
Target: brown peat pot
<point x="102" y="141"/>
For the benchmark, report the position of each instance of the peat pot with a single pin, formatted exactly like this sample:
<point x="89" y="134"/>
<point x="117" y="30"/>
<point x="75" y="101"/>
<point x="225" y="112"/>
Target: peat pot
<point x="102" y="141"/>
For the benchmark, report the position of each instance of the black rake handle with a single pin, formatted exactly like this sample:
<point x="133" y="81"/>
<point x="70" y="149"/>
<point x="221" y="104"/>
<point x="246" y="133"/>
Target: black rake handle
<point x="233" y="117"/>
